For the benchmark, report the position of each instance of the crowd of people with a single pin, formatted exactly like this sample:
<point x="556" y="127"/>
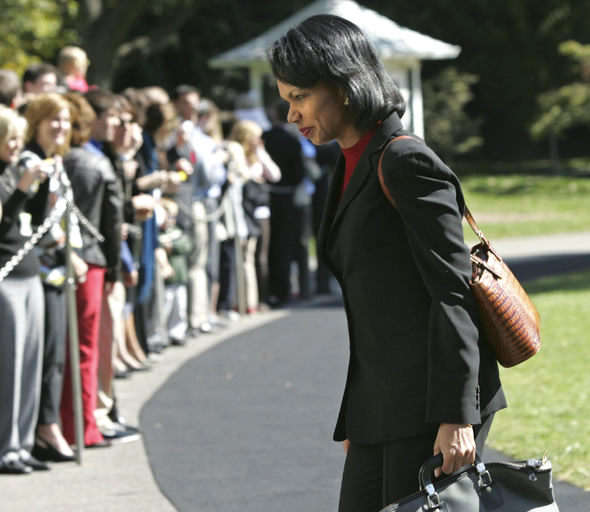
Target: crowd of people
<point x="175" y="219"/>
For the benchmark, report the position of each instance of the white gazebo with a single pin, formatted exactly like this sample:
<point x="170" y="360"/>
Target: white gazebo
<point x="400" y="49"/>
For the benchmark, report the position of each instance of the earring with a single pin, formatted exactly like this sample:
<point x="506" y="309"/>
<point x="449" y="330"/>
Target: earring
<point x="346" y="102"/>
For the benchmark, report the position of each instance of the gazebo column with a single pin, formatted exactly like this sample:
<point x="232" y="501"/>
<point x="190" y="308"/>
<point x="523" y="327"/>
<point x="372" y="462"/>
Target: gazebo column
<point x="406" y="75"/>
<point x="417" y="101"/>
<point x="256" y="82"/>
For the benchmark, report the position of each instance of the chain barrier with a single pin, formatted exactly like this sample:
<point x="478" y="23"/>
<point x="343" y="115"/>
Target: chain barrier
<point x="85" y="223"/>
<point x="61" y="206"/>
<point x="56" y="213"/>
<point x="210" y="217"/>
<point x="52" y="218"/>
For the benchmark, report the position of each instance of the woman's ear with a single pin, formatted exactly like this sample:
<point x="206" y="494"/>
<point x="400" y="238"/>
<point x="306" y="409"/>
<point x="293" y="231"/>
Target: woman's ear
<point x="343" y="98"/>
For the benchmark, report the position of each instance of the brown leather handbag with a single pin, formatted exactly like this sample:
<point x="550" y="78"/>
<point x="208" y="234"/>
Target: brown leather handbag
<point x="508" y="317"/>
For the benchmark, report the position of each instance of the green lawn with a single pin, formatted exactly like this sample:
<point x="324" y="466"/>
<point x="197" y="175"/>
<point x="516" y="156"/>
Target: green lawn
<point x="549" y="395"/>
<point x="549" y="406"/>
<point x="521" y="205"/>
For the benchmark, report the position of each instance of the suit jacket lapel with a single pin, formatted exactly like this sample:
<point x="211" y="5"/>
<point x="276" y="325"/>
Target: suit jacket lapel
<point x="330" y="207"/>
<point x="365" y="166"/>
<point x="335" y="206"/>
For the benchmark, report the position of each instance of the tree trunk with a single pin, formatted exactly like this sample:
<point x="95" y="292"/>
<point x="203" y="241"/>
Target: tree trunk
<point x="105" y="30"/>
<point x="554" y="154"/>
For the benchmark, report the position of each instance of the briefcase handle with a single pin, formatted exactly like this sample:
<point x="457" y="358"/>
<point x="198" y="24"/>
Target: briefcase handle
<point x="426" y="475"/>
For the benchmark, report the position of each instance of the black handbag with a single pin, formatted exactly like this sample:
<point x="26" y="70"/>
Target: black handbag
<point x="494" y="487"/>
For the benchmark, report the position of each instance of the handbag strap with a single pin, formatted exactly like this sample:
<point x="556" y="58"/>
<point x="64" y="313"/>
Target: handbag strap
<point x="466" y="212"/>
<point x="380" y="168"/>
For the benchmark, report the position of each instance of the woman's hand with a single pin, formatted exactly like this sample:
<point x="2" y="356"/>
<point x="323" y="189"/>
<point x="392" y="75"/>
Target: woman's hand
<point x="457" y="444"/>
<point x="346" y="445"/>
<point x="37" y="173"/>
<point x="157" y="179"/>
<point x="130" y="278"/>
<point x="79" y="266"/>
<point x="182" y="164"/>
<point x="143" y="205"/>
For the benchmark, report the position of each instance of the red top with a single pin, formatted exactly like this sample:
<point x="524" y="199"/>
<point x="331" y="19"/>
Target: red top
<point x="352" y="156"/>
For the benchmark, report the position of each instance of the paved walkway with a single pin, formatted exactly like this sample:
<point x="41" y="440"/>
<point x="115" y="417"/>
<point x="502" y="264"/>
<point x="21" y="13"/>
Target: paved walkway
<point x="121" y="478"/>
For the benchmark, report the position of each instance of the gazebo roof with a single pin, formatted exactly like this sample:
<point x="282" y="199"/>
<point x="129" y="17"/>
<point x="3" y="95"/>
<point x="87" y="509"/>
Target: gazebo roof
<point x="391" y="41"/>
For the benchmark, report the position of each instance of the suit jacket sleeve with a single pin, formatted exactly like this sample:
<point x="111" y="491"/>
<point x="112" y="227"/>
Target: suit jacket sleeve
<point x="429" y="200"/>
<point x="110" y="222"/>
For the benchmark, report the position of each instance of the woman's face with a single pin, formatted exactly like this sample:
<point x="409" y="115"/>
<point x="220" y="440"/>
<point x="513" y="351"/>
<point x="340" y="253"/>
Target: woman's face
<point x="252" y="143"/>
<point x="11" y="147"/>
<point x="52" y="132"/>
<point x="124" y="132"/>
<point x="319" y="113"/>
<point x="105" y="125"/>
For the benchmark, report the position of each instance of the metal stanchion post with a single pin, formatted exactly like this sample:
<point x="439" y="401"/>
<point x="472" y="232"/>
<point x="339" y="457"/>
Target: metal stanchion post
<point x="73" y="342"/>
<point x="240" y="278"/>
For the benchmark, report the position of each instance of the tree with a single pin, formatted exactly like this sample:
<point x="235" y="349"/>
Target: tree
<point x="33" y="30"/>
<point x="510" y="46"/>
<point x="448" y="128"/>
<point x="105" y="31"/>
<point x="569" y="105"/>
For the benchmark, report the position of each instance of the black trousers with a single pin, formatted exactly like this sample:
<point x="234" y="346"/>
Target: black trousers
<point x="376" y="475"/>
<point x="54" y="355"/>
<point x="227" y="275"/>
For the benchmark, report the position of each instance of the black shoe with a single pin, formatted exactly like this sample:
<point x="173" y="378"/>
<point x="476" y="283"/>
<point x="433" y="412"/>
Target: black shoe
<point x="141" y="368"/>
<point x="156" y="348"/>
<point x="119" y="434"/>
<point x="122" y="422"/>
<point x="15" y="467"/>
<point x="45" y="451"/>
<point x="274" y="302"/>
<point x="122" y="374"/>
<point x="177" y="342"/>
<point x="34" y="463"/>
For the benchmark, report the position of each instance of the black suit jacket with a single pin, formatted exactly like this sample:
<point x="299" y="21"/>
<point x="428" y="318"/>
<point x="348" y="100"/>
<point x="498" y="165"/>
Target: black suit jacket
<point x="416" y="359"/>
<point x="97" y="195"/>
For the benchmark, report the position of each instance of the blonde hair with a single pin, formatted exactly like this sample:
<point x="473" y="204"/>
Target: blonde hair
<point x="71" y="59"/>
<point x="45" y="106"/>
<point x="242" y="132"/>
<point x="10" y="123"/>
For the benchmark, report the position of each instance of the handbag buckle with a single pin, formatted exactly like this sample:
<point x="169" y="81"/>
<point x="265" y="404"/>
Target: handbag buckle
<point x="485" y="481"/>
<point x="484" y="478"/>
<point x="432" y="498"/>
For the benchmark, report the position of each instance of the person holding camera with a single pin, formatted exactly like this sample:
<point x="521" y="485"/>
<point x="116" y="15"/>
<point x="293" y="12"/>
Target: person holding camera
<point x="21" y="301"/>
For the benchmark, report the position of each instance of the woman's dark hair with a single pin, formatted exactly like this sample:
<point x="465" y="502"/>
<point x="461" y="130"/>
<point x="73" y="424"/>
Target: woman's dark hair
<point x="82" y="115"/>
<point x="100" y="100"/>
<point x="331" y="50"/>
<point x="160" y="120"/>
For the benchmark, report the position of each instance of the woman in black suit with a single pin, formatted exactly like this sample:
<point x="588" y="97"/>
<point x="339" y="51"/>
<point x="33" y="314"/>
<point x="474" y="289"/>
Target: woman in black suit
<point x="420" y="381"/>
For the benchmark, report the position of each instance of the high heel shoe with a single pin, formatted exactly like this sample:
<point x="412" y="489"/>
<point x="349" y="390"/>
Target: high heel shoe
<point x="45" y="451"/>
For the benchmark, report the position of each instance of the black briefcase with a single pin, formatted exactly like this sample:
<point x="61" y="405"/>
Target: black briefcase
<point x="494" y="487"/>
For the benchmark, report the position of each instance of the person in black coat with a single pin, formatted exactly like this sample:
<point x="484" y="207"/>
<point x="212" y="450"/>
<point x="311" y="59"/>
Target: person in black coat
<point x="96" y="194"/>
<point x="421" y="380"/>
<point x="287" y="220"/>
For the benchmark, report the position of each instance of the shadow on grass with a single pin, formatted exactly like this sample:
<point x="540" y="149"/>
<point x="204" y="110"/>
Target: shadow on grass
<point x="538" y="275"/>
<point x="560" y="272"/>
<point x="575" y="281"/>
